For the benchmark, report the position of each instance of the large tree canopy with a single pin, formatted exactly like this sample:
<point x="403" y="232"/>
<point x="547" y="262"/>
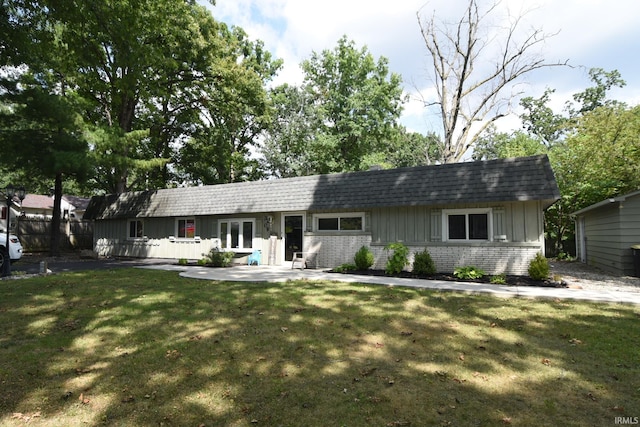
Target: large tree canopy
<point x="148" y="76"/>
<point x="345" y="110"/>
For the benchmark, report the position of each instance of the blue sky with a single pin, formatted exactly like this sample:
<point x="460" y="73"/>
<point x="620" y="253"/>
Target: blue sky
<point x="590" y="33"/>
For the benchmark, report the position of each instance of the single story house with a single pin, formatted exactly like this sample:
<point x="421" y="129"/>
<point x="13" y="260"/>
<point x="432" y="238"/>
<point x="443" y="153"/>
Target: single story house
<point x="605" y="232"/>
<point x="487" y="213"/>
<point x="41" y="206"/>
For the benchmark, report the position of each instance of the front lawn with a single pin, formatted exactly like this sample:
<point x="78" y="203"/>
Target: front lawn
<point x="148" y="348"/>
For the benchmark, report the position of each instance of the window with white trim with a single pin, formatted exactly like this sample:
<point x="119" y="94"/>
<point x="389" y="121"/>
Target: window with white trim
<point x="136" y="229"/>
<point x="186" y="228"/>
<point x="237" y="234"/>
<point x="339" y="222"/>
<point x="467" y="224"/>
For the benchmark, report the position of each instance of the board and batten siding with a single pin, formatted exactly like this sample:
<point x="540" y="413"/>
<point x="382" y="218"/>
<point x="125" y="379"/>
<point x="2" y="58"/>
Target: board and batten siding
<point x="111" y="239"/>
<point x="517" y="235"/>
<point x="519" y="222"/>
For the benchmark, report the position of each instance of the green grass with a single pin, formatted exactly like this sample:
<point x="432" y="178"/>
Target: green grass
<point x="148" y="348"/>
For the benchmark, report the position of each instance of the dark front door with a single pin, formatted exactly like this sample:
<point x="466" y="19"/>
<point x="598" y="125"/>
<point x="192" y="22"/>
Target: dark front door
<point x="292" y="235"/>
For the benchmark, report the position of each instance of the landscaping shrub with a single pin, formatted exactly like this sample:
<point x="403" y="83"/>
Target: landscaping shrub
<point x="499" y="279"/>
<point x="363" y="258"/>
<point x="468" y="273"/>
<point x="183" y="261"/>
<point x="399" y="259"/>
<point x="423" y="264"/>
<point x="539" y="268"/>
<point x="218" y="258"/>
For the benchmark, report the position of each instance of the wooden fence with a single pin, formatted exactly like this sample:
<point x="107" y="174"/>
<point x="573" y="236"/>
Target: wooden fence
<point x="35" y="234"/>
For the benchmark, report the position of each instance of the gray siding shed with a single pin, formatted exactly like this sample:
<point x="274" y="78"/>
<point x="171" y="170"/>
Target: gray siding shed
<point x="606" y="231"/>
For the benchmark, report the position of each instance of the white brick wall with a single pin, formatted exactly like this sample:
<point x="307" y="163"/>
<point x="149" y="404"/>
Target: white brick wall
<point x="334" y="250"/>
<point x="507" y="258"/>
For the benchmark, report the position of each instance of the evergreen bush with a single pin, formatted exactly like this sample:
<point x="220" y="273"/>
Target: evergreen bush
<point x="539" y="268"/>
<point x="423" y="264"/>
<point x="363" y="258"/>
<point x="218" y="258"/>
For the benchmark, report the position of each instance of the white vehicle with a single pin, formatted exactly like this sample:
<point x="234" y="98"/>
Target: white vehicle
<point x="15" y="248"/>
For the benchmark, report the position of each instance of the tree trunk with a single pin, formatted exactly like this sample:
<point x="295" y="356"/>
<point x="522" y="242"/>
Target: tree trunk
<point x="54" y="250"/>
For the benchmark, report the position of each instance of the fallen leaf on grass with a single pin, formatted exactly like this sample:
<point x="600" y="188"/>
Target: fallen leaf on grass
<point x="284" y="329"/>
<point x="128" y="399"/>
<point x="617" y="408"/>
<point x="25" y="417"/>
<point x="398" y="423"/>
<point x="591" y="396"/>
<point x="461" y="357"/>
<point x="483" y="377"/>
<point x="172" y="354"/>
<point x="575" y="341"/>
<point x="546" y="362"/>
<point x="83" y="400"/>
<point x="406" y="333"/>
<point x="506" y="420"/>
<point x="367" y="372"/>
<point x="378" y="345"/>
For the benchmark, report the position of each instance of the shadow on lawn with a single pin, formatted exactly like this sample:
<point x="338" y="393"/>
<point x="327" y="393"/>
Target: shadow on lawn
<point x="137" y="347"/>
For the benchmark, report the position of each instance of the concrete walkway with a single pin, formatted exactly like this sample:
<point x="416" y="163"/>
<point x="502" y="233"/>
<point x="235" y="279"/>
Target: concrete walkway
<point x="282" y="274"/>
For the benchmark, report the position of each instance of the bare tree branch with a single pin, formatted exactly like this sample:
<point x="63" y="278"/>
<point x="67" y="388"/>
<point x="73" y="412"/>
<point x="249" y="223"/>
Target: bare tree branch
<point x="470" y="93"/>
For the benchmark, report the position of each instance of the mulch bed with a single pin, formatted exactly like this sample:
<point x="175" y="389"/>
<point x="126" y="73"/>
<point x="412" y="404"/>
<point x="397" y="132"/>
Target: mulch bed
<point x="511" y="280"/>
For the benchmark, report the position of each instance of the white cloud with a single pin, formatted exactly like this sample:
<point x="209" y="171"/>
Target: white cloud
<point x="591" y="33"/>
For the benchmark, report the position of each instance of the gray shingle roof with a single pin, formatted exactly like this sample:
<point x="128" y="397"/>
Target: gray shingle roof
<point x="518" y="179"/>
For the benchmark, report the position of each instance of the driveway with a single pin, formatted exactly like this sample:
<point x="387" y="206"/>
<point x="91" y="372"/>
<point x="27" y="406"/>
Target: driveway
<point x="30" y="264"/>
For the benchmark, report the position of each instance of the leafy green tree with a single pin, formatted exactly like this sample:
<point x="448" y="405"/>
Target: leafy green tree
<point x="596" y="96"/>
<point x="407" y="149"/>
<point x="358" y="100"/>
<point x="42" y="135"/>
<point x="345" y="110"/>
<point x="150" y="75"/>
<point x="233" y="116"/>
<point x="287" y="145"/>
<point x="540" y="121"/>
<point x="500" y="145"/>
<point x="125" y="55"/>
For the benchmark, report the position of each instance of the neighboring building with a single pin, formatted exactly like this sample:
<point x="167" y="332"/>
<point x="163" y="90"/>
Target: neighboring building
<point x="606" y="231"/>
<point x="41" y="207"/>
<point x="487" y="214"/>
<point x="14" y="213"/>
